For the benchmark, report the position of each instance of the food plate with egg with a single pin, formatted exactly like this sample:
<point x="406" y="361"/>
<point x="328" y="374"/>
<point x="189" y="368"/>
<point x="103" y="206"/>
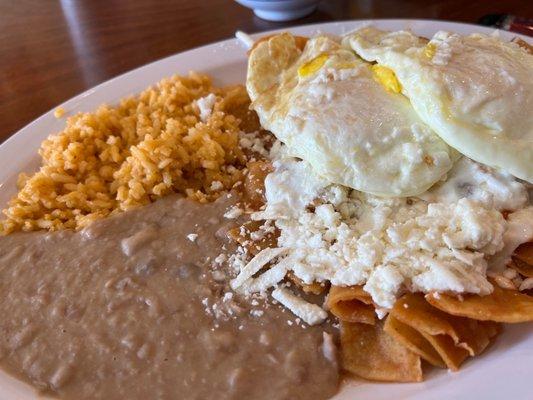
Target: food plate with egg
<point x="312" y="213"/>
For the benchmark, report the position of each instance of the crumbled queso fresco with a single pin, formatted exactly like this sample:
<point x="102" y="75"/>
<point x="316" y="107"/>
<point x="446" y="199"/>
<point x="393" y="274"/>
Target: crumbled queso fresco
<point x="389" y="245"/>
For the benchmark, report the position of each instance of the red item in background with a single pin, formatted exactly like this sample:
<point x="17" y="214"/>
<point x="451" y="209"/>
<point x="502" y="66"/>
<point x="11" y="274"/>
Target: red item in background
<point x="509" y="23"/>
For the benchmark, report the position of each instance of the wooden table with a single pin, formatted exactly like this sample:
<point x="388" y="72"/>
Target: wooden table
<point x="51" y="50"/>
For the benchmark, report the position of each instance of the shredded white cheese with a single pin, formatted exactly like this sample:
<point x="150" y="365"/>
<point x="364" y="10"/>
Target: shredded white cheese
<point x="519" y="230"/>
<point x="216" y="186"/>
<point x="220" y="258"/>
<point x="253" y="267"/>
<point x="527" y="284"/>
<point x="268" y="279"/>
<point x="328" y="347"/>
<point x="310" y="313"/>
<point x="254" y="142"/>
<point x="206" y="104"/>
<point x="233" y="212"/>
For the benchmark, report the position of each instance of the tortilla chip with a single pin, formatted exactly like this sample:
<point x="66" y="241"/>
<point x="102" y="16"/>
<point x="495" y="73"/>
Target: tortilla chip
<point x="314" y="288"/>
<point x="243" y="236"/>
<point x="413" y="340"/>
<point x="300" y="41"/>
<point x="370" y="353"/>
<point x="522" y="268"/>
<point x="524" y="252"/>
<point x="254" y="184"/>
<point x="523" y="260"/>
<point x="502" y="305"/>
<point x="452" y="355"/>
<point x="453" y="338"/>
<point x="351" y="304"/>
<point x="493" y="330"/>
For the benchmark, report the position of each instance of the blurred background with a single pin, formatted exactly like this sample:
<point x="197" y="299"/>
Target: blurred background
<point x="52" y="50"/>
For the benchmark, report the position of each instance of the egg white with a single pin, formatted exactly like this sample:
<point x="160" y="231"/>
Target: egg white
<point x="475" y="91"/>
<point x="341" y="120"/>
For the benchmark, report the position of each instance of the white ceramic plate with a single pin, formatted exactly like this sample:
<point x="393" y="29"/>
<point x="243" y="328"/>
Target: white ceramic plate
<point x="504" y="371"/>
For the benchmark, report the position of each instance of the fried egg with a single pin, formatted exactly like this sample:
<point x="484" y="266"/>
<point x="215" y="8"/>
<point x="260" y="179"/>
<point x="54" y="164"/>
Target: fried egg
<point x="344" y="116"/>
<point x="475" y="92"/>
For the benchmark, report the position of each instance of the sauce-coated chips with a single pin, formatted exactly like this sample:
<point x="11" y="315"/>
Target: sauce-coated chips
<point x="502" y="305"/>
<point x="351" y="304"/>
<point x="413" y="340"/>
<point x="523" y="260"/>
<point x="438" y="337"/>
<point x="370" y="353"/>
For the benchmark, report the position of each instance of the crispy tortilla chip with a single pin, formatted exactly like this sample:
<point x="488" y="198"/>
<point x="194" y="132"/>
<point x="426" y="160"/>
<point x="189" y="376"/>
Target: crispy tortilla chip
<point x="452" y="355"/>
<point x="370" y="353"/>
<point x="300" y="41"/>
<point x="314" y="288"/>
<point x="522" y="268"/>
<point x="452" y="337"/>
<point x="502" y="305"/>
<point x="351" y="304"/>
<point x="523" y="259"/>
<point x="244" y="236"/>
<point x="413" y="340"/>
<point x="254" y="184"/>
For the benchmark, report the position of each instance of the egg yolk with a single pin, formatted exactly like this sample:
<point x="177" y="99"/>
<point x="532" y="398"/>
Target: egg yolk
<point x="430" y="50"/>
<point x="312" y="66"/>
<point x="387" y="78"/>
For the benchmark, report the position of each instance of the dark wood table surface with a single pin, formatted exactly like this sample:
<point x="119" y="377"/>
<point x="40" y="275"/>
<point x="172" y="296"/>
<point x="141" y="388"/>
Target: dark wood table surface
<point x="51" y="50"/>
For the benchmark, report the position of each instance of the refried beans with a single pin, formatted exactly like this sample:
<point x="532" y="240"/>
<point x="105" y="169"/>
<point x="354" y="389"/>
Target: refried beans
<point x="129" y="308"/>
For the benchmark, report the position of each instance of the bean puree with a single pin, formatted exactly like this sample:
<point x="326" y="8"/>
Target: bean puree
<point x="129" y="308"/>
